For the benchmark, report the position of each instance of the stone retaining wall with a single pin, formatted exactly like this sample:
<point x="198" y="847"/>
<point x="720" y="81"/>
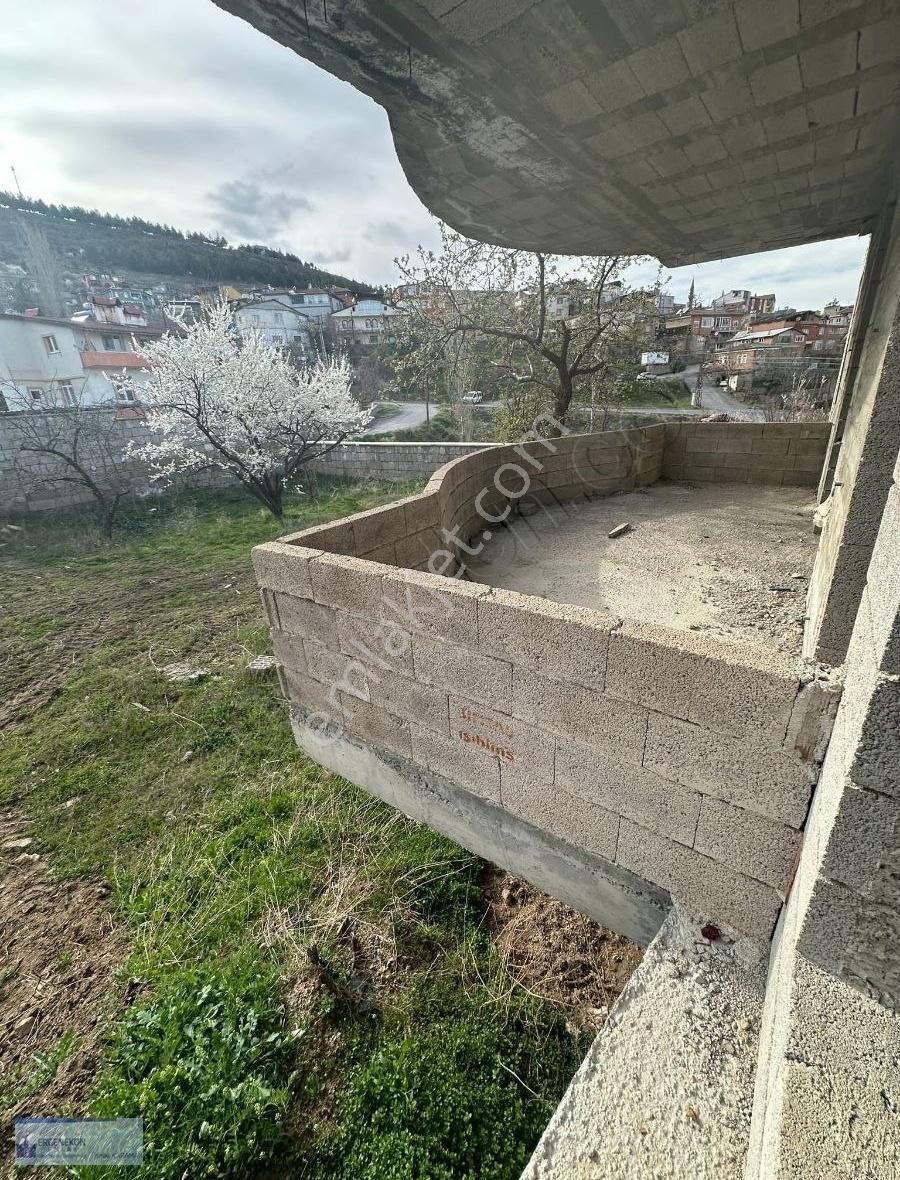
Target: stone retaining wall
<point x="687" y="762"/>
<point x="391" y="460"/>
<point x="398" y="462"/>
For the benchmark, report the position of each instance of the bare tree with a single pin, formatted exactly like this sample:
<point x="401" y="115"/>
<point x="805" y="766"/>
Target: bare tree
<point x="65" y="443"/>
<point x="42" y="267"/>
<point x="553" y="324"/>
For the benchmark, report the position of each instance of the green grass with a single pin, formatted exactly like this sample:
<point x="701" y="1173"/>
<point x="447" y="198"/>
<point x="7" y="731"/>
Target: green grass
<point x="321" y="997"/>
<point x="28" y="1080"/>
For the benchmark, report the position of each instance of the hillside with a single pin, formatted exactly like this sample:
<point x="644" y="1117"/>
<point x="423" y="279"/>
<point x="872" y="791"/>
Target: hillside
<point x="137" y="250"/>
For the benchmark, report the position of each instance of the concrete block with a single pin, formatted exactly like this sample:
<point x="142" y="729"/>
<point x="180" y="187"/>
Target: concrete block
<point x="734" y="689"/>
<point x="884" y="587"/>
<point x="773" y="476"/>
<point x="830" y="917"/>
<point x="289" y="652"/>
<point x="708" y="44"/>
<point x="659" y="67"/>
<point x="735" y="444"/>
<point x="284" y="568"/>
<point x="444" y="607"/>
<point x="638" y="794"/>
<point x="616" y="727"/>
<point x="812" y="450"/>
<point x="518" y="744"/>
<point x="308" y="619"/>
<point x="563" y="642"/>
<point x="378" y="644"/>
<point x="834" y="1125"/>
<point x="377" y="528"/>
<point x="268" y="603"/>
<point x="384" y="555"/>
<point x="330" y="538"/>
<point x="419" y="703"/>
<point x="340" y="672"/>
<point x="461" y="670"/>
<point x="415" y="551"/>
<point x="708" y="890"/>
<point x="875" y="760"/>
<point x="311" y="695"/>
<point x="763" y="22"/>
<point x="422" y="512"/>
<point x="770" y="444"/>
<point x="370" y="723"/>
<point x="615" y="86"/>
<point x="721" y="474"/>
<point x="347" y="583"/>
<point x="574" y="820"/>
<point x="605" y="892"/>
<point x="862" y="831"/>
<point x="762" y="849"/>
<point x="465" y="765"/>
<point x="767" y="782"/>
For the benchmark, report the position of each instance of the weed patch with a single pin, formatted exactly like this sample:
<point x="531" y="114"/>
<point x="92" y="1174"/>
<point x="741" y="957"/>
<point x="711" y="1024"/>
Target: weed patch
<point x="206" y="1064"/>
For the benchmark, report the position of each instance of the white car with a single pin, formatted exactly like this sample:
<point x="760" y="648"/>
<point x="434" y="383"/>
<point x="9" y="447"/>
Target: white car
<point x="473" y="397"/>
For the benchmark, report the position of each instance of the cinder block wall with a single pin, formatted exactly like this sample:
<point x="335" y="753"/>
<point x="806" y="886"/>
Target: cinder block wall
<point x="687" y="762"/>
<point x="780" y="453"/>
<point x="392" y="461"/>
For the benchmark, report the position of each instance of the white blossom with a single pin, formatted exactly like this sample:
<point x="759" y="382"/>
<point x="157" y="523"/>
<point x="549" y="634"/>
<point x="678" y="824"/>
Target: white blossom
<point x="219" y="399"/>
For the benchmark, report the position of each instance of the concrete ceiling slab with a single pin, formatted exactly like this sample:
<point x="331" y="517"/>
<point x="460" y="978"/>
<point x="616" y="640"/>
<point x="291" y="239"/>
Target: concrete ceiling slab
<point x="686" y="129"/>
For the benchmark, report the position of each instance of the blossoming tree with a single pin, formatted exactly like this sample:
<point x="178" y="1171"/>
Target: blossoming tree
<point x="235" y="402"/>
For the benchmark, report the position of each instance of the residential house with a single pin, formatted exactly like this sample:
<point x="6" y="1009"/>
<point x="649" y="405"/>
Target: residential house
<point x="761" y="304"/>
<point x="823" y="334"/>
<point x="46" y="361"/>
<point x="716" y="324"/>
<point x="289" y="318"/>
<point x="739" y="358"/>
<point x="367" y="322"/>
<point x="110" y="309"/>
<point x="741" y="300"/>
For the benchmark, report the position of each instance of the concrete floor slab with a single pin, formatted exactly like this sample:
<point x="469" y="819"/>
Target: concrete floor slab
<point x="729" y="559"/>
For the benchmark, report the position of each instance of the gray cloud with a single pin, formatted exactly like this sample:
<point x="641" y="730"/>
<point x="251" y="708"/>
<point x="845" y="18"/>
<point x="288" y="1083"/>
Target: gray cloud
<point x="248" y="212"/>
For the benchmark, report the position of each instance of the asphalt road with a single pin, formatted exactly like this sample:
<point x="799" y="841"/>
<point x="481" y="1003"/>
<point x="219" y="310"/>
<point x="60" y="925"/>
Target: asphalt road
<point x="409" y="415"/>
<point x="720" y="401"/>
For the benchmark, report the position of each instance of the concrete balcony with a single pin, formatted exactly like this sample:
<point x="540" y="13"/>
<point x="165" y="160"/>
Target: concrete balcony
<point x="654" y="762"/>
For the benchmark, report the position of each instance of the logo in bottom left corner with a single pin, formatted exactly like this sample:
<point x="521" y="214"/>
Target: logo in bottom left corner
<point x="51" y="1141"/>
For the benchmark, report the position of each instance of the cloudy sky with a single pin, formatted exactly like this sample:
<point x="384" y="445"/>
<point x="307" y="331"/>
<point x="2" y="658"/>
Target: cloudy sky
<point x="176" y="111"/>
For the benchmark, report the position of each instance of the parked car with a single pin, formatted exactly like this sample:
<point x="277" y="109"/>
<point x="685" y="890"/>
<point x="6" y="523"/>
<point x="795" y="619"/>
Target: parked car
<point x="473" y="397"/>
<point x="645" y="377"/>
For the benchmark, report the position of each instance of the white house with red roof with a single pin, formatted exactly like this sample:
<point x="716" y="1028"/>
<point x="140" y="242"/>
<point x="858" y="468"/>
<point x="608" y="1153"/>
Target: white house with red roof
<point x="47" y="362"/>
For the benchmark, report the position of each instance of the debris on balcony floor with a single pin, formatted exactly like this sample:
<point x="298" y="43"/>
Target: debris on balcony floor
<point x="730" y="559"/>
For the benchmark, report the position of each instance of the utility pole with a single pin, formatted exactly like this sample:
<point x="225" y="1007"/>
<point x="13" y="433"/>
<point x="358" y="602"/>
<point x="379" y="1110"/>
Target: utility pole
<point x="697" y="395"/>
<point x="12" y="169"/>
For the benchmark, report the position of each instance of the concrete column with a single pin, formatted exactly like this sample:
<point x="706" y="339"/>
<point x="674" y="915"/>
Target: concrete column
<point x="867" y="426"/>
<point x="827" y="1097"/>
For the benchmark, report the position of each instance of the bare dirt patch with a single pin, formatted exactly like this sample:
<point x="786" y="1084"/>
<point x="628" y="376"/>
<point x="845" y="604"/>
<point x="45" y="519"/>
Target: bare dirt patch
<point x="558" y="954"/>
<point x="730" y="559"/>
<point x="60" y="953"/>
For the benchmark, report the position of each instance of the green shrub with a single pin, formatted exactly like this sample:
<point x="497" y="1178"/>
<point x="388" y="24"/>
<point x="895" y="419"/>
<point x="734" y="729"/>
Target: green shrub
<point x="443" y="1104"/>
<point x="206" y="1062"/>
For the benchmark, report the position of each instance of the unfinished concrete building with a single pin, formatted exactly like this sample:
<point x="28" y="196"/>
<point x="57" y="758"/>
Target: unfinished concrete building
<point x="730" y="805"/>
